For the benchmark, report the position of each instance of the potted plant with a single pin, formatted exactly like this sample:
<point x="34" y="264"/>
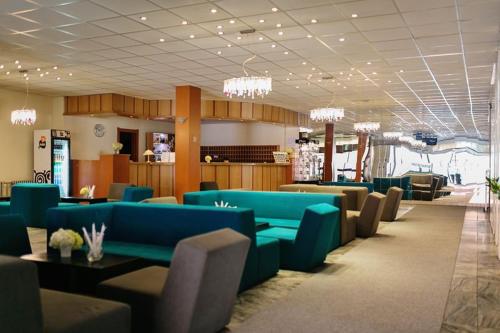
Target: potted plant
<point x="65" y="240"/>
<point x="493" y="185"/>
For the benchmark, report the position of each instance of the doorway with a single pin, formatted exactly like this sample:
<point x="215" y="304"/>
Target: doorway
<point x="130" y="140"/>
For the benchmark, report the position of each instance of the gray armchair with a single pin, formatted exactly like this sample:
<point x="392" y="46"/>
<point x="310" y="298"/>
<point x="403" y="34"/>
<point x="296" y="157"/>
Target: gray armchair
<point x="116" y="190"/>
<point x="365" y="222"/>
<point x="24" y="307"/>
<point x="391" y="206"/>
<point x="196" y="294"/>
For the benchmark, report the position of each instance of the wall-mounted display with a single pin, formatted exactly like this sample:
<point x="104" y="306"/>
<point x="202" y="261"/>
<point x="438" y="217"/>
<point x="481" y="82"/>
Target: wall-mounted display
<point x="160" y="144"/>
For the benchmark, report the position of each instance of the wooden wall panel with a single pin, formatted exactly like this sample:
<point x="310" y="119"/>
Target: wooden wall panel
<point x="83" y="104"/>
<point x="266" y="178"/>
<point x="234" y="110"/>
<point x="235" y="180"/>
<point x="138" y="107"/>
<point x="221" y="109"/>
<point x="95" y="104"/>
<point x="153" y="109"/>
<point x="267" y="113"/>
<point x="246" y="110"/>
<point x="258" y="111"/>
<point x="128" y="106"/>
<point x="222" y="176"/>
<point x="72" y="102"/>
<point x="133" y="174"/>
<point x="145" y="111"/>
<point x="273" y="178"/>
<point x="207" y="109"/>
<point x="247" y="177"/>
<point x="106" y="103"/>
<point x="257" y="178"/>
<point x="164" y="108"/>
<point x="275" y="114"/>
<point x="155" y="179"/>
<point x="118" y="103"/>
<point x="142" y="175"/>
<point x="208" y="173"/>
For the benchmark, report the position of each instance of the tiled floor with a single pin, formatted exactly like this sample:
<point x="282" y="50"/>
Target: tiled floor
<point x="474" y="299"/>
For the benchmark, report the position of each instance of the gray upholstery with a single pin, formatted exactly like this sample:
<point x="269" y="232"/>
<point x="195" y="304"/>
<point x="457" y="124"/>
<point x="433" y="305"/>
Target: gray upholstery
<point x="200" y="288"/>
<point x="161" y="200"/>
<point x="26" y="308"/>
<point x="368" y="218"/>
<point x="392" y="200"/>
<point x="116" y="190"/>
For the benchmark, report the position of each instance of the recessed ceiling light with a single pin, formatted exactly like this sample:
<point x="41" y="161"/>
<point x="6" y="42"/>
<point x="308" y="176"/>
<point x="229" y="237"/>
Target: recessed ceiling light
<point x="352" y="68"/>
<point x="344" y="87"/>
<point x="286" y="52"/>
<point x="27" y="78"/>
<point x="389" y="81"/>
<point x="41" y="74"/>
<point x="341" y="39"/>
<point x="143" y="18"/>
<point x="19" y="66"/>
<point x="219" y="52"/>
<point x="70" y="74"/>
<point x="184" y="22"/>
<point x="266" y="71"/>
<point x="232" y="21"/>
<point x="319" y="80"/>
<point x="297" y="87"/>
<point x="314" y="21"/>
<point x="16" y="62"/>
<point x="273" y="45"/>
<point x="58" y="78"/>
<point x="350" y="74"/>
<point x="8" y="73"/>
<point x="303" y="62"/>
<point x="191" y="36"/>
<point x="314" y="68"/>
<point x="274" y="9"/>
<point x="366" y="79"/>
<point x="221" y="32"/>
<point x="238" y="38"/>
<point x="338" y="83"/>
<point x="25" y="74"/>
<point x="290" y="73"/>
<point x="262" y="21"/>
<point x="162" y="40"/>
<point x="369" y="63"/>
<point x="341" y="73"/>
<point x="229" y="45"/>
<point x="1" y="66"/>
<point x="354" y="15"/>
<point x="46" y="73"/>
<point x="219" y="27"/>
<point x="278" y="25"/>
<point x="213" y="10"/>
<point x="374" y="73"/>
<point x="280" y="33"/>
<point x="261" y="38"/>
<point x="348" y="79"/>
<point x="309" y="36"/>
<point x="38" y="69"/>
<point x="55" y="67"/>
<point x="401" y="71"/>
<point x="288" y="79"/>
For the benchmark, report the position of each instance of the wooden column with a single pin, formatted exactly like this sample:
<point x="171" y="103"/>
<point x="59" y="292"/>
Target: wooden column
<point x="187" y="140"/>
<point x="329" y="146"/>
<point x="362" y="138"/>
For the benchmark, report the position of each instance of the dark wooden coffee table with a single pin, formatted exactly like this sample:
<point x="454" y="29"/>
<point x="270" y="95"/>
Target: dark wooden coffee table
<point x="83" y="200"/>
<point x="4" y="198"/>
<point x="76" y="274"/>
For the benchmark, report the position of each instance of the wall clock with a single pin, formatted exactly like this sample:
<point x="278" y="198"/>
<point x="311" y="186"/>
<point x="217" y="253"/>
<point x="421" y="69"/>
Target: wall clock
<point x="99" y="130"/>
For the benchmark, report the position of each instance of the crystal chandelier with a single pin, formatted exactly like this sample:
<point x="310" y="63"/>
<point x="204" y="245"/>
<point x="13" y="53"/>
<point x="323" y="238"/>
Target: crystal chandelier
<point x="366" y="127"/>
<point x="248" y="86"/>
<point x="327" y="114"/>
<point x="24" y="116"/>
<point x="392" y="135"/>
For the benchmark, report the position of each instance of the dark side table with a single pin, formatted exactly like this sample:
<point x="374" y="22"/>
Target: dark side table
<point x="76" y="274"/>
<point x="78" y="200"/>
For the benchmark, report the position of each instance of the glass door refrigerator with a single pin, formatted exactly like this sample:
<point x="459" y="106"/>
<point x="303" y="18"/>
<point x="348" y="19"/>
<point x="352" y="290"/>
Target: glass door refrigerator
<point x="52" y="159"/>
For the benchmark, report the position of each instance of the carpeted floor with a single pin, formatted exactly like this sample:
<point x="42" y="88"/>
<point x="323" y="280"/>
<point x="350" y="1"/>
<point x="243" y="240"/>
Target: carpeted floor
<point x="397" y="281"/>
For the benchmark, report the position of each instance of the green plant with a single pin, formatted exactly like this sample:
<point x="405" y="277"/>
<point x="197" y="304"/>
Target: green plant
<point x="493" y="184"/>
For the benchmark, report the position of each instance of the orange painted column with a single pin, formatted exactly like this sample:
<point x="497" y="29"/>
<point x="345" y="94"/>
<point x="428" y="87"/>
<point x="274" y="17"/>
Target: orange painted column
<point x="362" y="138"/>
<point x="329" y="149"/>
<point x="187" y="140"/>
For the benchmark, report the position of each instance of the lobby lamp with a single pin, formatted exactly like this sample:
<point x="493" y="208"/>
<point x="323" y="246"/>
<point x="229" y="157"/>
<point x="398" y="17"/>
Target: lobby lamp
<point x="148" y="153"/>
<point x="26" y="117"/>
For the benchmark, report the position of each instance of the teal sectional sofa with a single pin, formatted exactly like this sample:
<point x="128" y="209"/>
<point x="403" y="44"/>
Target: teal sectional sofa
<point x="382" y="185"/>
<point x="152" y="231"/>
<point x="278" y="209"/>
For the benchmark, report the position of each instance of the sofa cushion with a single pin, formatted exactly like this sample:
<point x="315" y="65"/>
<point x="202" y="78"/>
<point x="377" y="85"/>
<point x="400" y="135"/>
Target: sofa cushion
<point x="284" y="223"/>
<point x="268" y="252"/>
<point x="4" y="207"/>
<point x="279" y="233"/>
<point x="162" y="254"/>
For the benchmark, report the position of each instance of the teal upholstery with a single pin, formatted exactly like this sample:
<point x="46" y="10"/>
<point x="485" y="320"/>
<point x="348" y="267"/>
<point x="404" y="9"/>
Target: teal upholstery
<point x="382" y="185"/>
<point x="152" y="231"/>
<point x="307" y="247"/>
<point x="14" y="240"/>
<point x="279" y="209"/>
<point x="31" y="200"/>
<point x="369" y="186"/>
<point x="136" y="194"/>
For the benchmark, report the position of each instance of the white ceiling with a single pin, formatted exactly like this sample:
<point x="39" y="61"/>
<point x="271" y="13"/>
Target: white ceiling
<point x="411" y="64"/>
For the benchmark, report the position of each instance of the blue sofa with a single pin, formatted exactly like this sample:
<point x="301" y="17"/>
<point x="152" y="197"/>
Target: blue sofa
<point x="369" y="186"/>
<point x="137" y="193"/>
<point x="382" y="185"/>
<point x="152" y="231"/>
<point x="31" y="201"/>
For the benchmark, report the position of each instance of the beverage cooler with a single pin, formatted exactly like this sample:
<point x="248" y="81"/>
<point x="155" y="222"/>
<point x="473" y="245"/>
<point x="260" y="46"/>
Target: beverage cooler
<point x="51" y="159"/>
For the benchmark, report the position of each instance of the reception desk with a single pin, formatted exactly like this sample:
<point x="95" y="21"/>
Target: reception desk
<point x="251" y="176"/>
<point x="158" y="176"/>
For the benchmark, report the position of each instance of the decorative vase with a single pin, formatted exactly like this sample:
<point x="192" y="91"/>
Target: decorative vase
<point x="65" y="251"/>
<point x="93" y="256"/>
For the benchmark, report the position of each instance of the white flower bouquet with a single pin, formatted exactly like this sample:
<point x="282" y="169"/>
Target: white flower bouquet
<point x="65" y="240"/>
<point x="87" y="191"/>
<point x="117" y="146"/>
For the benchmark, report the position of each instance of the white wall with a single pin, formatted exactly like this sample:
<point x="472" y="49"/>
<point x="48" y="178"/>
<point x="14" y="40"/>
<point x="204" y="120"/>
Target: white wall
<point x="251" y="133"/>
<point x="86" y="146"/>
<point x="16" y="142"/>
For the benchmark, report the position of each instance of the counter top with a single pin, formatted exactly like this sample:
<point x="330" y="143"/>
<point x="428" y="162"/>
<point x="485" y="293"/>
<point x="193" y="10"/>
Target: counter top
<point x="244" y="163"/>
<point x="152" y="163"/>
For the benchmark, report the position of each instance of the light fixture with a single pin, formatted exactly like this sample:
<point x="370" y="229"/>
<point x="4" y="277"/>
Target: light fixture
<point x="262" y="21"/>
<point x="16" y="62"/>
<point x="309" y="36"/>
<point x="305" y="130"/>
<point x="58" y="78"/>
<point x="191" y="36"/>
<point x="280" y="33"/>
<point x="304" y="63"/>
<point x="366" y="127"/>
<point x="232" y="21"/>
<point x="220" y="32"/>
<point x="368" y="62"/>
<point x="147" y="154"/>
<point x="184" y="22"/>
<point x="273" y="45"/>
<point x="70" y="74"/>
<point x="7" y="73"/>
<point x="19" y="66"/>
<point x="219" y="52"/>
<point x="274" y="9"/>
<point x="25" y="117"/>
<point x="229" y="45"/>
<point x="412" y="142"/>
<point x="55" y="67"/>
<point x="493" y="76"/>
<point x="248" y="86"/>
<point x="219" y="27"/>
<point x="285" y="53"/>
<point x="143" y="18"/>
<point x="392" y="135"/>
<point x="401" y="71"/>
<point x="341" y="39"/>
<point x="238" y="38"/>
<point x="162" y="40"/>
<point x="213" y="10"/>
<point x="278" y="25"/>
<point x="354" y="15"/>
<point x="314" y="21"/>
<point x="1" y="66"/>
<point x="326" y="114"/>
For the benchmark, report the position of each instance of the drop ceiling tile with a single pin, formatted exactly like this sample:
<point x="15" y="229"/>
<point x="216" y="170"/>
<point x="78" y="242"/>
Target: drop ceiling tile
<point x="227" y="27"/>
<point x="137" y="61"/>
<point x="149" y="36"/>
<point x="116" y="41"/>
<point x="387" y="34"/>
<point x="85" y="30"/>
<point x="322" y="14"/>
<point x="114" y="54"/>
<point x="127" y="7"/>
<point x="85" y="11"/>
<point x="175" y="46"/>
<point x="112" y="64"/>
<point x="47" y="17"/>
<point x="183" y="32"/>
<point x="430" y="16"/>
<point x="379" y="22"/>
<point x="208" y="42"/>
<point x="270" y="21"/>
<point x="17" y="23"/>
<point x="13" y="6"/>
<point x="332" y="28"/>
<point x="439" y="29"/>
<point x="412" y="5"/>
<point x="200" y="13"/>
<point x="158" y="19"/>
<point x="367" y="8"/>
<point x="121" y="25"/>
<point x="176" y="3"/>
<point x="165" y="58"/>
<point x="53" y="3"/>
<point x="53" y="35"/>
<point x="85" y="45"/>
<point x="197" y="54"/>
<point x="286" y="33"/>
<point x="143" y="50"/>
<point x="245" y="8"/>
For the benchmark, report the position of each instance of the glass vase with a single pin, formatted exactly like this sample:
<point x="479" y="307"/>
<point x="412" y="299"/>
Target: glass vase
<point x="93" y="256"/>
